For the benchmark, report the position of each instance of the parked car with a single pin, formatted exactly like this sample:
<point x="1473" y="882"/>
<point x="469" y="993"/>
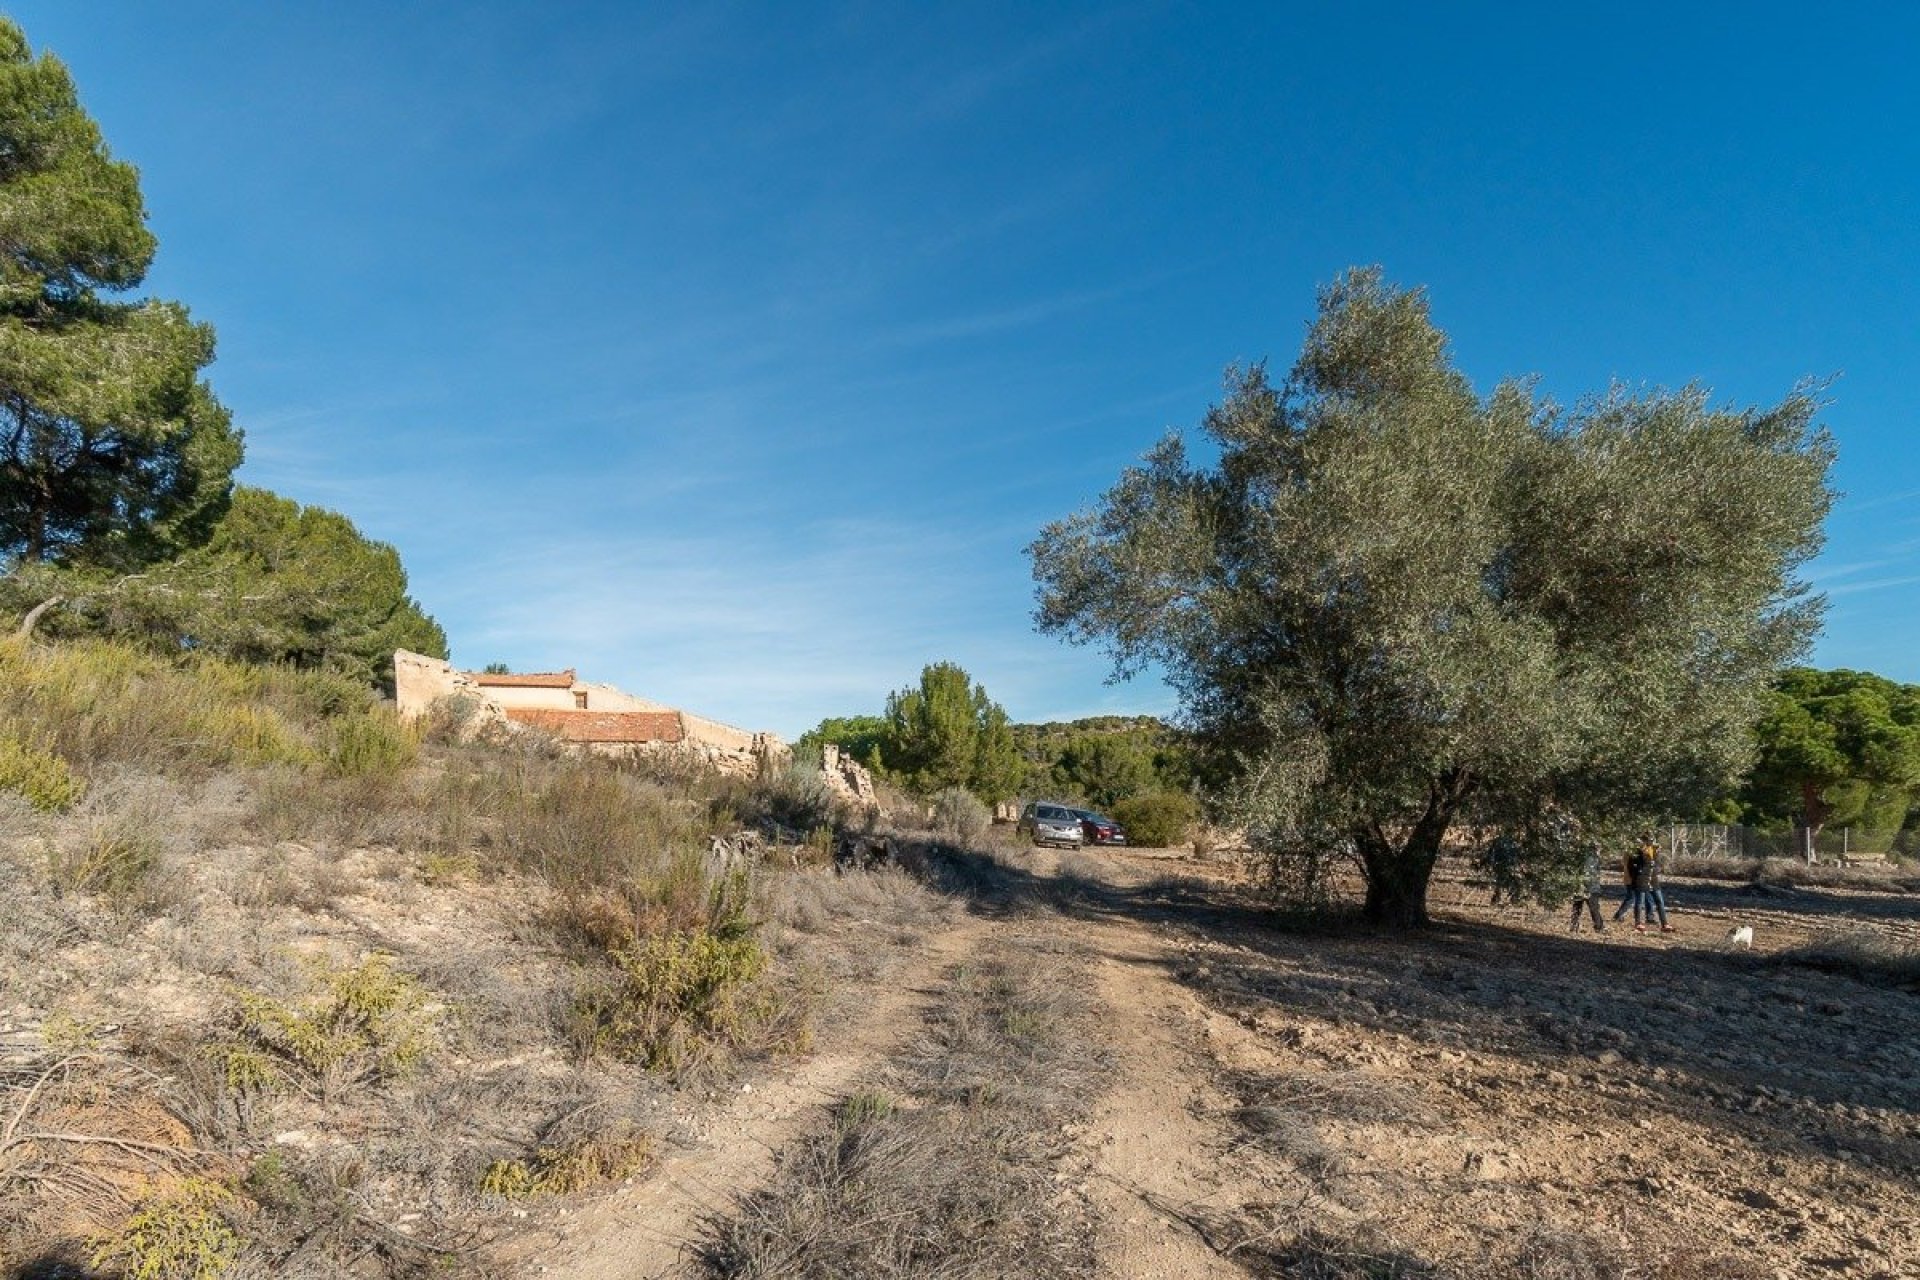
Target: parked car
<point x="1100" y="829"/>
<point x="1052" y="824"/>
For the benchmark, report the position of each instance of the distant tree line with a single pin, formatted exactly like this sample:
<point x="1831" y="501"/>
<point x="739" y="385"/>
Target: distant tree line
<point x="118" y="510"/>
<point x="1833" y="748"/>
<point x="945" y="731"/>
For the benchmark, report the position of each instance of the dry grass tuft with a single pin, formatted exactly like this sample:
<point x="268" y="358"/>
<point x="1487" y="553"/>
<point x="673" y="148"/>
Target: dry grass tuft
<point x="570" y="1167"/>
<point x="952" y="1181"/>
<point x="1885" y="877"/>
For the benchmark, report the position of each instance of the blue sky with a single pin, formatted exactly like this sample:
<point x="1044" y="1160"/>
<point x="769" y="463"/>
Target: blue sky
<point x="733" y="353"/>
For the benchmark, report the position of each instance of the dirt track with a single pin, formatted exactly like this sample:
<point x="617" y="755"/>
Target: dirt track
<point x="1450" y="1103"/>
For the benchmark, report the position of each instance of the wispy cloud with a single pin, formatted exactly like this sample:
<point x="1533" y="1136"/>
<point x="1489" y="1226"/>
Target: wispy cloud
<point x="1872" y="584"/>
<point x="1850" y="505"/>
<point x="767" y="632"/>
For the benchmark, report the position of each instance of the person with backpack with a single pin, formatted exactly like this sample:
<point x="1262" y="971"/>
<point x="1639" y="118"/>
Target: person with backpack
<point x="1639" y="871"/>
<point x="1586" y="893"/>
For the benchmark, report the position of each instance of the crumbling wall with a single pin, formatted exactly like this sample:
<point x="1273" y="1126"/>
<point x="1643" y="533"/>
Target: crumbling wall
<point x="420" y="683"/>
<point x="598" y="727"/>
<point x="848" y="779"/>
<point x="721" y="737"/>
<point x="605" y="697"/>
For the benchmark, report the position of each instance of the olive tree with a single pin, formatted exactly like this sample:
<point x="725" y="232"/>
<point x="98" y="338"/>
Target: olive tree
<point x="1392" y="605"/>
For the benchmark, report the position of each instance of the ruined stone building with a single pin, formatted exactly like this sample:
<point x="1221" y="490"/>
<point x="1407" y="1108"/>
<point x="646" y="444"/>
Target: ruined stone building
<point x="596" y="717"/>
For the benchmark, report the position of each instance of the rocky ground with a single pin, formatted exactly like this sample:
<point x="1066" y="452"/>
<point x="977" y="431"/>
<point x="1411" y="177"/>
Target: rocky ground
<point x="1492" y="1097"/>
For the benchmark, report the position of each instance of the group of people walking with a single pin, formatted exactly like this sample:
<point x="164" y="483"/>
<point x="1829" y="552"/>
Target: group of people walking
<point x="1640" y="871"/>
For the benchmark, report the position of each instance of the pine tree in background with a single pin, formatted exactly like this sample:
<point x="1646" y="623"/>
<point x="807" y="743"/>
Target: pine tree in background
<point x="277" y="582"/>
<point x="113" y="452"/>
<point x="946" y="732"/>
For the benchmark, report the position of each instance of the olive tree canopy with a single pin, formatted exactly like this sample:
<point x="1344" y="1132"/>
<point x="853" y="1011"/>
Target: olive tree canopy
<point x="1393" y="605"/>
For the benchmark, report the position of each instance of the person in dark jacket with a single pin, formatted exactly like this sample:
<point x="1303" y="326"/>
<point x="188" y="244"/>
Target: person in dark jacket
<point x="1639" y="871"/>
<point x="1503" y="867"/>
<point x="1586" y="895"/>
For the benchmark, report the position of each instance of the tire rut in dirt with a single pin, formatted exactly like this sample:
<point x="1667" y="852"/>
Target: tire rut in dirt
<point x="943" y="1166"/>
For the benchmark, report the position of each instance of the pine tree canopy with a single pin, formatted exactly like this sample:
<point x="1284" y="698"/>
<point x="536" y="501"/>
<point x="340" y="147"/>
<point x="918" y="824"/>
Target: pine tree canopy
<point x="113" y="452"/>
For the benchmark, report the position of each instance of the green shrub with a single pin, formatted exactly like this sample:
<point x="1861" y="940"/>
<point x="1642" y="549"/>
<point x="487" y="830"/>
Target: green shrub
<point x="676" y="997"/>
<point x="1157" y="819"/>
<point x="363" y="1022"/>
<point x="96" y="702"/>
<point x="177" y="1233"/>
<point x="373" y="741"/>
<point x="39" y="775"/>
<point x="958" y="813"/>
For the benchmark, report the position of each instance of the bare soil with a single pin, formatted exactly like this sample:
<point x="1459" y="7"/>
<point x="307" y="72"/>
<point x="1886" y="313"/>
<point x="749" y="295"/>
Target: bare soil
<point x="1490" y="1097"/>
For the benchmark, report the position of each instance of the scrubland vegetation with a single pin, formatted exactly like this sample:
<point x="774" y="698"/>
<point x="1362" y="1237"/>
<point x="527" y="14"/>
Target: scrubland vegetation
<point x="289" y="986"/>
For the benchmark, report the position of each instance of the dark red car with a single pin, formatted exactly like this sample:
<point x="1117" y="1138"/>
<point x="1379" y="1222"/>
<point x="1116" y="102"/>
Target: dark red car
<point x="1101" y="829"/>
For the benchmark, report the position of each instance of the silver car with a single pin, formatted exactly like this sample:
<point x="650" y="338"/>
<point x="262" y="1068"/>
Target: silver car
<point x="1052" y="824"/>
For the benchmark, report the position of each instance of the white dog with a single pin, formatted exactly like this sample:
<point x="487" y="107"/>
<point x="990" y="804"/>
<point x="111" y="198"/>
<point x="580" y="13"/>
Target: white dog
<point x="1740" y="938"/>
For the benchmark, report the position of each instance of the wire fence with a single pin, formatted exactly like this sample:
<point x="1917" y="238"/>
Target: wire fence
<point x="1829" y="844"/>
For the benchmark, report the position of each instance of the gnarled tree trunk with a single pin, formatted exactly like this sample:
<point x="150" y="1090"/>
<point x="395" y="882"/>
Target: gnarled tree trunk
<point x="1400" y="867"/>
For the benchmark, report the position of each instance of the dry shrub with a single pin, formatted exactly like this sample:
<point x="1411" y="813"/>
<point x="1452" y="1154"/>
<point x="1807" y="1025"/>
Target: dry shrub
<point x="1890" y="877"/>
<point x="130" y="850"/>
<point x="902" y="1194"/>
<point x="815" y="903"/>
<point x="359" y="1024"/>
<point x="1362" y="1252"/>
<point x="310" y="1223"/>
<point x="318" y="808"/>
<point x="572" y="1166"/>
<point x="794" y="800"/>
<point x="582" y="826"/>
<point x="83" y="1141"/>
<point x="957" y="1184"/>
<point x="960" y="815"/>
<point x="455" y="808"/>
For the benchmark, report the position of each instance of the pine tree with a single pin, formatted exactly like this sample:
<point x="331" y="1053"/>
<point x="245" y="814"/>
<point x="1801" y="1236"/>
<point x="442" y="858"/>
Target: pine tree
<point x="113" y="452"/>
